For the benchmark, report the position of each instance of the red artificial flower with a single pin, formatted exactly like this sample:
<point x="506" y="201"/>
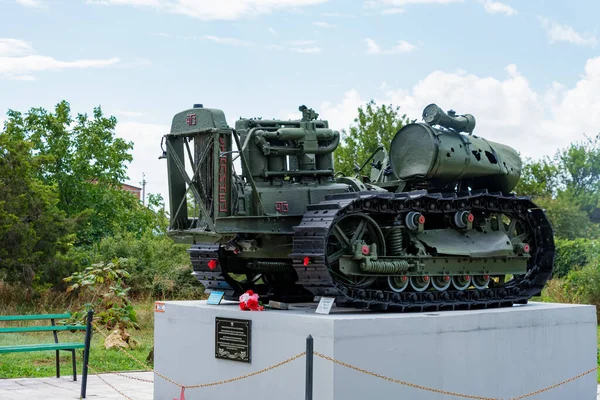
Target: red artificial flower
<point x="243" y="306"/>
<point x="252" y="303"/>
<point x="249" y="292"/>
<point x="212" y="264"/>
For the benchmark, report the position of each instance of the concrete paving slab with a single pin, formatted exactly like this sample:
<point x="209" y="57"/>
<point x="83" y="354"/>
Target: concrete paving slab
<point x="65" y="388"/>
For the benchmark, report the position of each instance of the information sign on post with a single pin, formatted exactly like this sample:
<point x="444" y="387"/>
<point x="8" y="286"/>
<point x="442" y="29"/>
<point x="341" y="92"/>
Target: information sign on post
<point x="215" y="298"/>
<point x="325" y="305"/>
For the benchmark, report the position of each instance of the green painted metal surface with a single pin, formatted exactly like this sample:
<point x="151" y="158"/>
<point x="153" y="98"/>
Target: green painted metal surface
<point x="471" y="243"/>
<point x="41" y="347"/>
<point x="261" y="205"/>
<point x="43" y="329"/>
<point x="32" y="317"/>
<point x="421" y="152"/>
<point x="197" y="119"/>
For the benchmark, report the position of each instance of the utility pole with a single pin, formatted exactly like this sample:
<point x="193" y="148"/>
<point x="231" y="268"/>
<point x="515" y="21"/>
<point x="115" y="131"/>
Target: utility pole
<point x="143" y="188"/>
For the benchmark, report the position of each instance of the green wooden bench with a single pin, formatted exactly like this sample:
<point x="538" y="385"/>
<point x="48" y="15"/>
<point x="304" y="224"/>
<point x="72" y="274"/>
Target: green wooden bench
<point x="56" y="346"/>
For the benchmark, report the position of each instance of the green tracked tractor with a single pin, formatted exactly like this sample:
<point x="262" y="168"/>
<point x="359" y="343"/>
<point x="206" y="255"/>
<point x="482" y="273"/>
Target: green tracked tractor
<point x="433" y="226"/>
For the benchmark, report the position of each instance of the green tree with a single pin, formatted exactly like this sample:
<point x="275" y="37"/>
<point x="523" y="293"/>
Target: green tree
<point x="374" y="126"/>
<point x="33" y="230"/>
<point x="568" y="187"/>
<point x="539" y="178"/>
<point x="580" y="172"/>
<point x="87" y="164"/>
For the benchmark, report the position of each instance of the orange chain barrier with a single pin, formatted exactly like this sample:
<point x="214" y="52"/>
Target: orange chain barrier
<point x="465" y="396"/>
<point x="299" y="355"/>
<point x="555" y="385"/>
<point x="183" y="387"/>
<point x="103" y="380"/>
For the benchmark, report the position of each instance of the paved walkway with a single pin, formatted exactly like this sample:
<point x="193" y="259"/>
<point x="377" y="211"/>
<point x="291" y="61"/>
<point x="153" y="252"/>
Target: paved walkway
<point x="65" y="388"/>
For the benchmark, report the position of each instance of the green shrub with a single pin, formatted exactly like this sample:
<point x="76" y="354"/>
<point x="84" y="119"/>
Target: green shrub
<point x="574" y="254"/>
<point x="157" y="266"/>
<point x="580" y="286"/>
<point x="101" y="287"/>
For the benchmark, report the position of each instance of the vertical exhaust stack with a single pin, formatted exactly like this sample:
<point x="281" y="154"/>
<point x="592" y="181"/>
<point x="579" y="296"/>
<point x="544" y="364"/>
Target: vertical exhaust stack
<point x="433" y="115"/>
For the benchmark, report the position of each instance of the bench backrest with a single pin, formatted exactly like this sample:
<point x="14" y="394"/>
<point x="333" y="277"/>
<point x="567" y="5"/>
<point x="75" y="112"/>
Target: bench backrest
<point x="35" y="317"/>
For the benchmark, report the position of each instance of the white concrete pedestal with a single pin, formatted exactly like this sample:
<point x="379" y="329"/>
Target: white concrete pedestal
<point x="499" y="353"/>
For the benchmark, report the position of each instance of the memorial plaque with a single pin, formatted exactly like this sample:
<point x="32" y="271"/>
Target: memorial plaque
<point x="232" y="339"/>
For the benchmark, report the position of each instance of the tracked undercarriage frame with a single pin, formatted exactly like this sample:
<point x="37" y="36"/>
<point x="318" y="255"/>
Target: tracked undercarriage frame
<point x="375" y="262"/>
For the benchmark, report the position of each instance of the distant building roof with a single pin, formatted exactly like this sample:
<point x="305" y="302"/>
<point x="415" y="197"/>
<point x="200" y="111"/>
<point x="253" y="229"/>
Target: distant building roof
<point x="130" y="187"/>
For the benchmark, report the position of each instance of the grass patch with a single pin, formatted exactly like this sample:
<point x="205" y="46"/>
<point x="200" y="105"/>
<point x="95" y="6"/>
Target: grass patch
<point x="42" y="363"/>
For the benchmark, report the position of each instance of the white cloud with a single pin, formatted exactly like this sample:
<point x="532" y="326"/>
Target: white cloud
<point x="14" y="48"/>
<point x="169" y="36"/>
<point x="507" y="110"/>
<point x="18" y="61"/>
<point x="275" y="47"/>
<point x="324" y="25"/>
<point x="375" y="3"/>
<point x="207" y="10"/>
<point x="30" y="3"/>
<point x="228" y="41"/>
<point x="272" y="31"/>
<point x="135" y="3"/>
<point x="212" y="38"/>
<point x="392" y="11"/>
<point x="300" y="42"/>
<point x="493" y="7"/>
<point x="564" y="33"/>
<point x="131" y="114"/>
<point x="297" y="46"/>
<point x="146" y="149"/>
<point x="401" y="46"/>
<point x="341" y="115"/>
<point x="310" y="50"/>
<point x="338" y="15"/>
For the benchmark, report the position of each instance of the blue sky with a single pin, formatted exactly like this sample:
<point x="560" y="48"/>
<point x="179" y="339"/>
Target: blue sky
<point x="528" y="70"/>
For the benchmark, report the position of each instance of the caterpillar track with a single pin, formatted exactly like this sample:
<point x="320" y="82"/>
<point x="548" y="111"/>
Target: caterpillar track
<point x="317" y="270"/>
<point x="311" y="240"/>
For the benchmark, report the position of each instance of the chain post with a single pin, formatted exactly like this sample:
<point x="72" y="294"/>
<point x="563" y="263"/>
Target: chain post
<point x="86" y="352"/>
<point x="309" y="368"/>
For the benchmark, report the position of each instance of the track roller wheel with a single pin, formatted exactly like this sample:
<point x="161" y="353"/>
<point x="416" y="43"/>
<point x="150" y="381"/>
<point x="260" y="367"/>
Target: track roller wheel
<point x="398" y="283"/>
<point x="441" y="282"/>
<point x="481" y="281"/>
<point x="461" y="282"/>
<point x="419" y="283"/>
<point x="348" y="230"/>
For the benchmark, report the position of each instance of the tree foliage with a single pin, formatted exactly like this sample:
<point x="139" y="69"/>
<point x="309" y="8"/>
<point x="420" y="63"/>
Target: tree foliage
<point x="375" y="125"/>
<point x="86" y="164"/>
<point x="568" y="187"/>
<point x="574" y="254"/>
<point x="33" y="230"/>
<point x="60" y="194"/>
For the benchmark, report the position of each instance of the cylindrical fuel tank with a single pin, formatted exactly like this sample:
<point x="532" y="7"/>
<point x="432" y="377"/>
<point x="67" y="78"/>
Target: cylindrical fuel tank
<point x="420" y="152"/>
